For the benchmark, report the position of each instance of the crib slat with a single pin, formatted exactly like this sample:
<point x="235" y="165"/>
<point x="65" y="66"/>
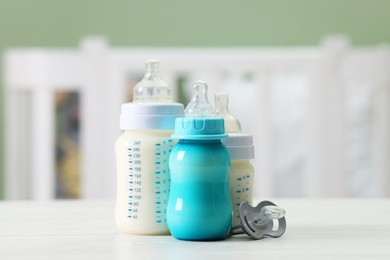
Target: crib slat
<point x="381" y="126"/>
<point x="334" y="183"/>
<point x="42" y="153"/>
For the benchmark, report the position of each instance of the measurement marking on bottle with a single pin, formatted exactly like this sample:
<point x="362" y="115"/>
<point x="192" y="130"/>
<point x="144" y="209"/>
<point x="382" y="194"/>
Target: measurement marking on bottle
<point x="134" y="188"/>
<point x="161" y="178"/>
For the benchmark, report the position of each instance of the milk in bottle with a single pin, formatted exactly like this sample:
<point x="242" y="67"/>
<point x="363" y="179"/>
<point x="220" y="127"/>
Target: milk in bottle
<point x="199" y="206"/>
<point x="142" y="153"/>
<point x="241" y="150"/>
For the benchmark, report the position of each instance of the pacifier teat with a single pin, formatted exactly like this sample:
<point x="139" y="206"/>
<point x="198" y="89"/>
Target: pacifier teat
<point x="152" y="88"/>
<point x="232" y="125"/>
<point x="199" y="106"/>
<point x="266" y="219"/>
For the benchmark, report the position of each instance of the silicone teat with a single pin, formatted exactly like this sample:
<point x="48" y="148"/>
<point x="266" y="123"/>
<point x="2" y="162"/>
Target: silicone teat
<point x="199" y="105"/>
<point x="152" y="88"/>
<point x="232" y="125"/>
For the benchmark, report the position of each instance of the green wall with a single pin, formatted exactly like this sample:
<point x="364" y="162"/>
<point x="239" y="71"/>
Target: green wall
<point x="188" y="23"/>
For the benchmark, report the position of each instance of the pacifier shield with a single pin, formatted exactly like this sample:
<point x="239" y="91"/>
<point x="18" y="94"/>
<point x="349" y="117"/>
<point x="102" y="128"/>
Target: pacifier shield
<point x="257" y="227"/>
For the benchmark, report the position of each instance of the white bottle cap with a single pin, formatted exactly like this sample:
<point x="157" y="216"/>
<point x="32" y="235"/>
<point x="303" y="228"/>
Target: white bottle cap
<point x="240" y="146"/>
<point x="139" y="116"/>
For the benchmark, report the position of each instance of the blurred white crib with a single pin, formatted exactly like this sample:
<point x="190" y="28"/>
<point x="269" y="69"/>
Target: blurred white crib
<point x="328" y="76"/>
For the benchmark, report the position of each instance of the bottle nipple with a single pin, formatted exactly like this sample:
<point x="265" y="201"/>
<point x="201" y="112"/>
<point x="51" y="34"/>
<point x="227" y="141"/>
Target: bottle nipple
<point x="199" y="105"/>
<point x="152" y="88"/>
<point x="232" y="125"/>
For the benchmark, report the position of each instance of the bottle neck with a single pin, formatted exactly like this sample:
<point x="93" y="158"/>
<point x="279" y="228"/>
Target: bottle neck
<point x="191" y="141"/>
<point x="241" y="161"/>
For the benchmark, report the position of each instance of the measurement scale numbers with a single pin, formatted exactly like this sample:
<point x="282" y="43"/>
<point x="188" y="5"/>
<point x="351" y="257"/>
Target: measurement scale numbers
<point x="242" y="191"/>
<point x="135" y="179"/>
<point x="162" y="179"/>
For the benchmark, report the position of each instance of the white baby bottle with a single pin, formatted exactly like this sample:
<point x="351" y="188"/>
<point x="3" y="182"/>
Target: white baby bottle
<point x="241" y="150"/>
<point x="142" y="153"/>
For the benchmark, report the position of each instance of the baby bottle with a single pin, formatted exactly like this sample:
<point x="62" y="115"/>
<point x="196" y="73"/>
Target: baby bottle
<point x="199" y="206"/>
<point x="241" y="150"/>
<point x="142" y="154"/>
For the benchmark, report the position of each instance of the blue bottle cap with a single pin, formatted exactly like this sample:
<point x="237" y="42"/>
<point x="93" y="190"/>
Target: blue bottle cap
<point x="191" y="128"/>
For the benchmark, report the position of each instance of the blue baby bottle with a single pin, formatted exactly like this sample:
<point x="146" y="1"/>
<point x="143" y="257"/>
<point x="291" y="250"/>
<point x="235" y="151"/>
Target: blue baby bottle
<point x="199" y="205"/>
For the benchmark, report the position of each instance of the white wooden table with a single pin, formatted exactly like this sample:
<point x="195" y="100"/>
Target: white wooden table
<point x="316" y="229"/>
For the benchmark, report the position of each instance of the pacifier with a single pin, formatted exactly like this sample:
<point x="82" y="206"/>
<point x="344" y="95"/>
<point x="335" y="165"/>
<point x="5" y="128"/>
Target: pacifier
<point x="264" y="220"/>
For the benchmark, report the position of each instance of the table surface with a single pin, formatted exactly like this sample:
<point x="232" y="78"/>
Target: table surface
<point x="320" y="229"/>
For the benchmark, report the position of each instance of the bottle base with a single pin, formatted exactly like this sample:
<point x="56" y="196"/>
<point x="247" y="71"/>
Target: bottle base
<point x="138" y="233"/>
<point x="199" y="239"/>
